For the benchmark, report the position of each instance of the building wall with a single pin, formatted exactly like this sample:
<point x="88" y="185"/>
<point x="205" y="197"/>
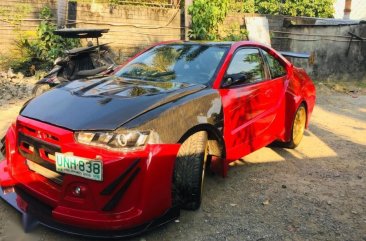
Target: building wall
<point x="331" y="59"/>
<point x="132" y="28"/>
<point x="328" y="45"/>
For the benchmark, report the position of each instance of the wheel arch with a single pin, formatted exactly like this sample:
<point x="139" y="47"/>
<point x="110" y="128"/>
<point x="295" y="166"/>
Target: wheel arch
<point x="306" y="105"/>
<point x="289" y="123"/>
<point x="214" y="135"/>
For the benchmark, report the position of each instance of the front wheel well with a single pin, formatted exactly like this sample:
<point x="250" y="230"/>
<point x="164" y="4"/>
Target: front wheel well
<point x="216" y="144"/>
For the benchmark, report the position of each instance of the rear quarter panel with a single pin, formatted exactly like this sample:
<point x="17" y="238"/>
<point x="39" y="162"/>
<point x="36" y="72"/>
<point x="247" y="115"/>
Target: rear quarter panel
<point x="300" y="90"/>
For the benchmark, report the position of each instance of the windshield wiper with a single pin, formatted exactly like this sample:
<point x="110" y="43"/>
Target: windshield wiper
<point x="131" y="76"/>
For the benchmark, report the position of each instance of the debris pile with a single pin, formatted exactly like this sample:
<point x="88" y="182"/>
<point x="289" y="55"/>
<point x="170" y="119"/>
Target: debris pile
<point x="14" y="87"/>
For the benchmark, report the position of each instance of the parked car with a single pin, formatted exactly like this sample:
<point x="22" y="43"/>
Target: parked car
<point x="116" y="156"/>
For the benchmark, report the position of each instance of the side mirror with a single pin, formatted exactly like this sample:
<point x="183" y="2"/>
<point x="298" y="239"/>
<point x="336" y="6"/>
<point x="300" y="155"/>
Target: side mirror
<point x="235" y="79"/>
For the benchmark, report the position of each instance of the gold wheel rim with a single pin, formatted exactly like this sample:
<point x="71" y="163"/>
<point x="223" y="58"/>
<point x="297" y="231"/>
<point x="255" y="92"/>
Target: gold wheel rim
<point x="299" y="125"/>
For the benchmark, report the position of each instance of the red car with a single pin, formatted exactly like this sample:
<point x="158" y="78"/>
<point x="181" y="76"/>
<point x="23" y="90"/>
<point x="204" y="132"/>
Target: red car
<point x="117" y="155"/>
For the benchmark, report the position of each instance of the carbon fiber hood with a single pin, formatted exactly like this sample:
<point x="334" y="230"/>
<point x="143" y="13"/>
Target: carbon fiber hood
<point x="103" y="104"/>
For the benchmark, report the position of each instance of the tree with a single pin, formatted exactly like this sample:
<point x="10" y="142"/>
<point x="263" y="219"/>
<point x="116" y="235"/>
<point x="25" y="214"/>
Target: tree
<point x="206" y="17"/>
<point x="309" y="8"/>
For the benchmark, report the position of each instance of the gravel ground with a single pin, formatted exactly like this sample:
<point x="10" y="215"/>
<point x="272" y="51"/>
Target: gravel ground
<point x="316" y="192"/>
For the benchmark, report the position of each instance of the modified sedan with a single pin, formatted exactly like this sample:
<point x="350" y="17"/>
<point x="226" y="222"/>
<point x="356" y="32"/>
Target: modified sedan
<point x="117" y="155"/>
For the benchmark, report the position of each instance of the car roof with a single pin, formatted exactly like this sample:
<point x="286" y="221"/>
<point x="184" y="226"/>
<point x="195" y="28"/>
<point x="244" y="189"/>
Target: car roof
<point x="209" y="42"/>
<point x="182" y="42"/>
<point x="212" y="43"/>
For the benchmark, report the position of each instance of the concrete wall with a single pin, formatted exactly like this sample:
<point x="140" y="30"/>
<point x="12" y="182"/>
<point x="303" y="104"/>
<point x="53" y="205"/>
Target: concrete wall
<point x="11" y="15"/>
<point x="329" y="47"/>
<point x="132" y="28"/>
<point x="327" y="44"/>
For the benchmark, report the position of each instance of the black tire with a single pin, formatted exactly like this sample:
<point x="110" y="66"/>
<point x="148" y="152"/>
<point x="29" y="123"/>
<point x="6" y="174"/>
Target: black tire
<point x="189" y="172"/>
<point x="296" y="138"/>
<point x="39" y="89"/>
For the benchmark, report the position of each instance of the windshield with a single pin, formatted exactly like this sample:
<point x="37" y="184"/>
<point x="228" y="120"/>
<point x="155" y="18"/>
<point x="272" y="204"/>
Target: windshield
<point x="188" y="63"/>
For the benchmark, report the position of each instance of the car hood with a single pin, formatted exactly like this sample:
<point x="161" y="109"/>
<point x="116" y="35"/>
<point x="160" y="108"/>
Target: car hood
<point x="103" y="104"/>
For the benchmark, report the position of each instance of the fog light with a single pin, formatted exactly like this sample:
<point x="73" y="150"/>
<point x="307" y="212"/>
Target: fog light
<point x="77" y="191"/>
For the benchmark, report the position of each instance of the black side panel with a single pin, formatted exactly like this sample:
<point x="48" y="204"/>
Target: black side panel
<point x="174" y="119"/>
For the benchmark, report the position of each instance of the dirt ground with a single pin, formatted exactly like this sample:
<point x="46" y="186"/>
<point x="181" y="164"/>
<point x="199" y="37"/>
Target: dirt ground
<point x="316" y="192"/>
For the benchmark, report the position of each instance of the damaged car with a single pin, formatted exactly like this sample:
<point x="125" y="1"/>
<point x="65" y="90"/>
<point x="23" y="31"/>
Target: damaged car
<point x="115" y="156"/>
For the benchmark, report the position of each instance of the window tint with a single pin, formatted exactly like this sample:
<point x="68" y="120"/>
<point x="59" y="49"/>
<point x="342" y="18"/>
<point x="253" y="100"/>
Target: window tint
<point x="247" y="63"/>
<point x="276" y="68"/>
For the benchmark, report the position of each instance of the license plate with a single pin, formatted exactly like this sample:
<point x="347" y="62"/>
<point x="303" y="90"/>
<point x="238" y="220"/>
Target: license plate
<point x="79" y="166"/>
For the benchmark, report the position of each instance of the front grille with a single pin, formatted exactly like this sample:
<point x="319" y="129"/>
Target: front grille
<point x="40" y="156"/>
<point x="54" y="176"/>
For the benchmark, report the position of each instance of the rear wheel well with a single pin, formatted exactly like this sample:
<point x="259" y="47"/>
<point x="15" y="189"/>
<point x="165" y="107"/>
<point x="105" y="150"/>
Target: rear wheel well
<point x="303" y="102"/>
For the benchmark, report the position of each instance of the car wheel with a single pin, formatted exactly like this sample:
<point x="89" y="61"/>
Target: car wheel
<point x="40" y="89"/>
<point x="189" y="172"/>
<point x="298" y="128"/>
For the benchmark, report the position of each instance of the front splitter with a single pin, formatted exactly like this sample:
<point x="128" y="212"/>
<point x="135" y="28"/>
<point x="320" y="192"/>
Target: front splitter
<point x="35" y="213"/>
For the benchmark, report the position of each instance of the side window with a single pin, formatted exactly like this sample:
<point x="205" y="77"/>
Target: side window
<point x="246" y="67"/>
<point x="276" y="68"/>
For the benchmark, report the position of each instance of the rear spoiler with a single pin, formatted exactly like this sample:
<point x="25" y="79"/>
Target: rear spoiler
<point x="295" y="55"/>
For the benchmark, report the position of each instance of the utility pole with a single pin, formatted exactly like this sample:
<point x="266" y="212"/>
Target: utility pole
<point x="61" y="13"/>
<point x="347" y="9"/>
<point x="187" y="18"/>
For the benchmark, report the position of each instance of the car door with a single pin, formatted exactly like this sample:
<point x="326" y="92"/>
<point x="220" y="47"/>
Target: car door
<point x="250" y="99"/>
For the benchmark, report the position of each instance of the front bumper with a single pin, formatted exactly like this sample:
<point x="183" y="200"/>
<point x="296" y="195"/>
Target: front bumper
<point x="134" y="196"/>
<point x="40" y="214"/>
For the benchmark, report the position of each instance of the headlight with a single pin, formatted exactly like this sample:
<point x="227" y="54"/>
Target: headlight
<point x="123" y="141"/>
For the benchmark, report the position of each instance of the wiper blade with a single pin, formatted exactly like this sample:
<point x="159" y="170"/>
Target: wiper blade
<point x="130" y="76"/>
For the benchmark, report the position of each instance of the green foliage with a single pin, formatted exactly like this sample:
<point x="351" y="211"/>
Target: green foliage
<point x="232" y="36"/>
<point x="139" y="2"/>
<point x="235" y="32"/>
<point x="45" y="47"/>
<point x="12" y="15"/>
<point x="206" y="17"/>
<point x="309" y="8"/>
<point x="242" y="6"/>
